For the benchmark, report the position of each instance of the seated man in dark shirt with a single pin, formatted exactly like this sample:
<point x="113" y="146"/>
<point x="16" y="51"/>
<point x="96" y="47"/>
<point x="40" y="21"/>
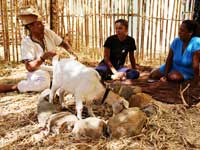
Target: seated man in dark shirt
<point x="116" y="48"/>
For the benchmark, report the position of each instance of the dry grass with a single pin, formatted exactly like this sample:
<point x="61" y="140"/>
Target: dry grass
<point x="173" y="127"/>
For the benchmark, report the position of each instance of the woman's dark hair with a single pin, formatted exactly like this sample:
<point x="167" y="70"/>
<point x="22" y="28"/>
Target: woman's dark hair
<point x="192" y="26"/>
<point x="123" y="22"/>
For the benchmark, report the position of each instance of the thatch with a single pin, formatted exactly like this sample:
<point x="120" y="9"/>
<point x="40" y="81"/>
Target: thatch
<point x="173" y="127"/>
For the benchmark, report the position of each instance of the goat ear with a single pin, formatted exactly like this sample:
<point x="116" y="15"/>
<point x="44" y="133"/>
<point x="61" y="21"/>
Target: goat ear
<point x="125" y="103"/>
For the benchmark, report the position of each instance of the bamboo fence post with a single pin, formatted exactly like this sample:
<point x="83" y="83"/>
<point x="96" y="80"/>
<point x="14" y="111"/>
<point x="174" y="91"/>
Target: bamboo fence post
<point x="72" y="14"/>
<point x="95" y="25"/>
<point x="100" y="23"/>
<point x="86" y="23"/>
<point x="167" y="24"/>
<point x="122" y="10"/>
<point x="12" y="30"/>
<point x="176" y="17"/>
<point x="82" y="25"/>
<point x="173" y="14"/>
<point x="111" y="11"/>
<point x="62" y="20"/>
<point x="77" y="27"/>
<point x="6" y="29"/>
<point x="126" y="8"/>
<point x="54" y="15"/>
<point x="106" y="22"/>
<point x="132" y="16"/>
<point x="18" y="33"/>
<point x="184" y="10"/>
<point x="149" y="25"/>
<point x="192" y="8"/>
<point x="3" y="30"/>
<point x="93" y="29"/>
<point x="162" y="11"/>
<point x="129" y="15"/>
<point x="114" y="13"/>
<point x="143" y="26"/>
<point x="152" y="27"/>
<point x="179" y="18"/>
<point x="155" y="35"/>
<point x="47" y="15"/>
<point x="138" y="27"/>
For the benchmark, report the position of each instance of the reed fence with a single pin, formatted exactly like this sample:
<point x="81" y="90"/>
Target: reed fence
<point x="87" y="24"/>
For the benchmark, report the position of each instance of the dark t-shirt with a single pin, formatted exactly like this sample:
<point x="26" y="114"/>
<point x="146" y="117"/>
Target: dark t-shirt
<point x="119" y="49"/>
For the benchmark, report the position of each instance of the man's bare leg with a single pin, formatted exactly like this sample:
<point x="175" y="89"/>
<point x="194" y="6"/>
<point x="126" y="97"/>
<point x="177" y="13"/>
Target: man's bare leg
<point x="8" y="88"/>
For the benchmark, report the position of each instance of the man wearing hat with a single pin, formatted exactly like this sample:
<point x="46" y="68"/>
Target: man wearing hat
<point x="38" y="46"/>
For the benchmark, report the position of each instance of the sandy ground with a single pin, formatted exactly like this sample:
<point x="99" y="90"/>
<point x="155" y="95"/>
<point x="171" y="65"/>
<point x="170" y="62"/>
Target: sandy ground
<point x="173" y="127"/>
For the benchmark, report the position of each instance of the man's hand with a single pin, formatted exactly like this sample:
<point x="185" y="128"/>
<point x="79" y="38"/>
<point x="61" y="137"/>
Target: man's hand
<point x="48" y="55"/>
<point x="73" y="57"/>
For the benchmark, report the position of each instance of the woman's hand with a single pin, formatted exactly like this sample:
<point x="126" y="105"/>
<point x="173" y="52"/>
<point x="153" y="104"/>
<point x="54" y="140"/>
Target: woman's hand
<point x="119" y="76"/>
<point x="163" y="79"/>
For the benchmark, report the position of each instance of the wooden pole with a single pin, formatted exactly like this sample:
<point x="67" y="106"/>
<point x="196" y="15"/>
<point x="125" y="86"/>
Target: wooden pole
<point x="106" y="22"/>
<point x="143" y="26"/>
<point x="149" y="25"/>
<point x="173" y="14"/>
<point x="6" y="31"/>
<point x="95" y="25"/>
<point x="111" y="16"/>
<point x="155" y="35"/>
<point x="167" y="24"/>
<point x="54" y="15"/>
<point x="152" y="26"/>
<point x="162" y="11"/>
<point x="17" y="32"/>
<point x="63" y="32"/>
<point x="86" y="23"/>
<point x="3" y="30"/>
<point x="100" y="24"/>
<point x="138" y="28"/>
<point x="12" y="29"/>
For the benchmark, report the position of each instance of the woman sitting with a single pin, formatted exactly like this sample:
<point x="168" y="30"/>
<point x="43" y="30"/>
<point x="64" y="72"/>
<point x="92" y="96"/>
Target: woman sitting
<point x="183" y="59"/>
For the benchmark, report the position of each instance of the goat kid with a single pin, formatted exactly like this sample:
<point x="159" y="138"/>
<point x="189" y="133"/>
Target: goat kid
<point x="70" y="76"/>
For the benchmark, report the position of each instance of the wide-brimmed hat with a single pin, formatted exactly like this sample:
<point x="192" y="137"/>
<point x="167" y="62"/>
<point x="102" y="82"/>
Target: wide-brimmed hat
<point x="29" y="15"/>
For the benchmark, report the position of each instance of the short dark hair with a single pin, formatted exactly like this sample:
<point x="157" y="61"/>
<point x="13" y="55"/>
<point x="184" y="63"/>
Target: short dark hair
<point x="123" y="22"/>
<point x="192" y="26"/>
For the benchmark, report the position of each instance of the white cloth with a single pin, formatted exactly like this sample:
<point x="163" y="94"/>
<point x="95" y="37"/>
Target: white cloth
<point x="37" y="80"/>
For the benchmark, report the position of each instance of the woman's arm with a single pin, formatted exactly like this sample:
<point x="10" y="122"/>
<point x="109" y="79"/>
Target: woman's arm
<point x="116" y="75"/>
<point x="132" y="59"/>
<point x="168" y="63"/>
<point x="107" y="60"/>
<point x="196" y="61"/>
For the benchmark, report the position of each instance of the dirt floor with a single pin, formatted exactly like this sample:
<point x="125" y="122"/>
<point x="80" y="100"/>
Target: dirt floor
<point x="173" y="127"/>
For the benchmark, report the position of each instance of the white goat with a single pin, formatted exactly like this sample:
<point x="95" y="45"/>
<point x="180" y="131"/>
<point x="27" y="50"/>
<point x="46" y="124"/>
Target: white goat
<point x="83" y="82"/>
